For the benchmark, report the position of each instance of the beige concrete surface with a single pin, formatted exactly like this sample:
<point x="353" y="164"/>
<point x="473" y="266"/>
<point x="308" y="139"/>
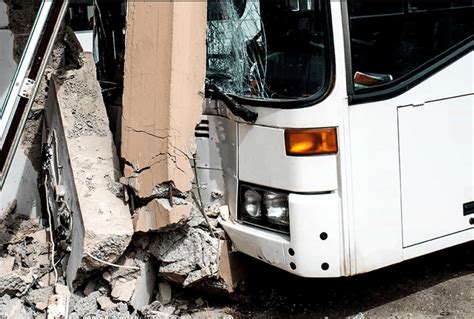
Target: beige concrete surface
<point x="164" y="79"/>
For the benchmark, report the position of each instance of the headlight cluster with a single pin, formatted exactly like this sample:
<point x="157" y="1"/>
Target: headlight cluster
<point x="265" y="208"/>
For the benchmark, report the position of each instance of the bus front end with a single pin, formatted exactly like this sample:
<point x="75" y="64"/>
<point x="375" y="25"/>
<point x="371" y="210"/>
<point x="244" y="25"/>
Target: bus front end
<point x="279" y="175"/>
<point x="287" y="211"/>
<point x="339" y="134"/>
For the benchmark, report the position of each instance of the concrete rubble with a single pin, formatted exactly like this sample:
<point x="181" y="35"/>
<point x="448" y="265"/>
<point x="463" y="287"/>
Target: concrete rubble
<point x="12" y="308"/>
<point x="24" y="254"/>
<point x="158" y="214"/>
<point x="128" y="236"/>
<point x="144" y="282"/>
<point x="58" y="303"/>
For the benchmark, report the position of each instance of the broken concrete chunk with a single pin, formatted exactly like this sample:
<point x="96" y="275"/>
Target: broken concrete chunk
<point x="193" y="257"/>
<point x="41" y="306"/>
<point x="42" y="236"/>
<point x="90" y="287"/>
<point x="199" y="302"/>
<point x="164" y="292"/>
<point x="231" y="268"/>
<point x="135" y="286"/>
<point x="169" y="309"/>
<point x="47" y="280"/>
<point x="214" y="314"/>
<point x="16" y="282"/>
<point x="159" y="215"/>
<point x="107" y="276"/>
<point x="224" y="212"/>
<point x="12" y="308"/>
<point x="123" y="289"/>
<point x="213" y="210"/>
<point x="155" y="310"/>
<point x="15" y="227"/>
<point x="144" y="285"/>
<point x="88" y="305"/>
<point x="39" y="297"/>
<point x="187" y="255"/>
<point x="62" y="290"/>
<point x="58" y="304"/>
<point x="6" y="264"/>
<point x="106" y="303"/>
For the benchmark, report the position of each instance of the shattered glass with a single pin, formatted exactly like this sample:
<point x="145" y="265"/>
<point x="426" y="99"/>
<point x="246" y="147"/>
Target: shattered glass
<point x="268" y="49"/>
<point x="236" y="47"/>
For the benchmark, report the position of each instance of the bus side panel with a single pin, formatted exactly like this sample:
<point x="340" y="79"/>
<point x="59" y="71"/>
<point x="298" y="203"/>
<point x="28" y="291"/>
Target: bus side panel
<point x="376" y="186"/>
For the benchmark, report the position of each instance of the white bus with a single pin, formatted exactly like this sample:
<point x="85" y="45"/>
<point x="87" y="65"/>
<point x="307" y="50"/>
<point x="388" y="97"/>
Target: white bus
<point x="340" y="134"/>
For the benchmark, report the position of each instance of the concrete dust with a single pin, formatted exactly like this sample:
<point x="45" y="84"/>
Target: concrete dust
<point x="15" y="227"/>
<point x="80" y="98"/>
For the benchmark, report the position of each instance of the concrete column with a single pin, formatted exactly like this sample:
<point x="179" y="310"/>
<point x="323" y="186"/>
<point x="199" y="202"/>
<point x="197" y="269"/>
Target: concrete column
<point x="165" y="65"/>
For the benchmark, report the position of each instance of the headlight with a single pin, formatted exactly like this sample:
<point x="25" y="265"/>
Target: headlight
<point x="252" y="203"/>
<point x="276" y="205"/>
<point x="264" y="208"/>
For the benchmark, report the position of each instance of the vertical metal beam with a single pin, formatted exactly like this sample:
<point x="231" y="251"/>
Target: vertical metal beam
<point x="32" y="65"/>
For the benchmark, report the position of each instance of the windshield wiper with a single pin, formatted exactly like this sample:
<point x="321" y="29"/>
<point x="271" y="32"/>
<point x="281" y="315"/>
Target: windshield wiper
<point x="215" y="93"/>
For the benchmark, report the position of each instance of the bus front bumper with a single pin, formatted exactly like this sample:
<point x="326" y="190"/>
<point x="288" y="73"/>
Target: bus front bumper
<point x="314" y="246"/>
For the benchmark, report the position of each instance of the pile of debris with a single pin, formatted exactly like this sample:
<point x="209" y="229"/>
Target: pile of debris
<point x="143" y="282"/>
<point x="26" y="272"/>
<point x="105" y="248"/>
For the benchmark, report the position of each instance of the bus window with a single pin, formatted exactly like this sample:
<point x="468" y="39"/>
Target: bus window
<point x="389" y="48"/>
<point x="268" y="50"/>
<point x="418" y="5"/>
<point x="374" y="7"/>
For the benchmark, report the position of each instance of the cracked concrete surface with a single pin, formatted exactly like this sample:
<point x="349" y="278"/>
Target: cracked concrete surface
<point x="94" y="167"/>
<point x="158" y="117"/>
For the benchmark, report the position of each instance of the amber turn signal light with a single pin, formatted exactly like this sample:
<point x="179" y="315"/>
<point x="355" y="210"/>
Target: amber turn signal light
<point x="308" y="142"/>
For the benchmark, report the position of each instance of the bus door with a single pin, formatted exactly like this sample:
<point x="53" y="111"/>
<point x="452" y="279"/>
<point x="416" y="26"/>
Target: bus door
<point x="436" y="168"/>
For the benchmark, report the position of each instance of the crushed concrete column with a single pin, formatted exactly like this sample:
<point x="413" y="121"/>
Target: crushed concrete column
<point x="77" y="123"/>
<point x="165" y="67"/>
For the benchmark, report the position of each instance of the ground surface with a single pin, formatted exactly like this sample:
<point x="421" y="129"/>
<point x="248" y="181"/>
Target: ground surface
<point x="438" y="285"/>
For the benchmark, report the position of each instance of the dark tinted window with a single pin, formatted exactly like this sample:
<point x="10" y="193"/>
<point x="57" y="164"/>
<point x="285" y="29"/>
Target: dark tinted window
<point x="389" y="48"/>
<point x="371" y="7"/>
<point x="80" y="15"/>
<point x="417" y="5"/>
